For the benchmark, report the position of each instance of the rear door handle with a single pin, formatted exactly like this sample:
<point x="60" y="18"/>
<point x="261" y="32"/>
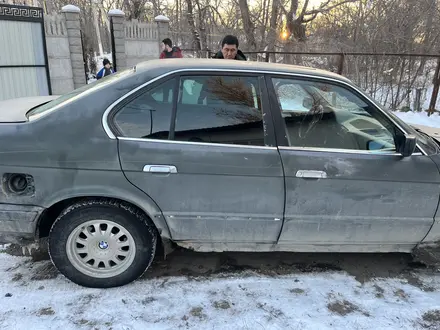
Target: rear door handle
<point x="310" y="174"/>
<point x="163" y="169"/>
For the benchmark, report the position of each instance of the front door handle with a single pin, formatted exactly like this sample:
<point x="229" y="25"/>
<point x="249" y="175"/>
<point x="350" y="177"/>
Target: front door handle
<point x="310" y="174"/>
<point x="162" y="169"/>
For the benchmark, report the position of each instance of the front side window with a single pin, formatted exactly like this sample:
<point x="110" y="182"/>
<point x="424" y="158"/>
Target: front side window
<point x="323" y="115"/>
<point x="219" y="109"/>
<point x="148" y="115"/>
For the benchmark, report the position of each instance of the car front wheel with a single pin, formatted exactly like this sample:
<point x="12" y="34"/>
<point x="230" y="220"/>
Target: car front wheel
<point x="102" y="244"/>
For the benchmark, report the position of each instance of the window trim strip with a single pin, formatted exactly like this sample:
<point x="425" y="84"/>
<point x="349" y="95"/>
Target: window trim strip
<point x="111" y="135"/>
<point x="123" y="138"/>
<point x="346" y="151"/>
<point x="309" y="149"/>
<point x="176" y="92"/>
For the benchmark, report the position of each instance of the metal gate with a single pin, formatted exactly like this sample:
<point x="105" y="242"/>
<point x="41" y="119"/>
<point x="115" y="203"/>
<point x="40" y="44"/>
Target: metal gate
<point x="24" y="68"/>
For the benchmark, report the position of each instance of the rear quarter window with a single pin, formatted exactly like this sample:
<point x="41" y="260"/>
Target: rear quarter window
<point x="75" y="94"/>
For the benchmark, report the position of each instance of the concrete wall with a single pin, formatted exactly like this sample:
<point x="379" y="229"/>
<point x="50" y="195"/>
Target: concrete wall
<point x="135" y="42"/>
<point x="58" y="52"/>
<point x="64" y="50"/>
<point x="141" y="42"/>
<point x="73" y="26"/>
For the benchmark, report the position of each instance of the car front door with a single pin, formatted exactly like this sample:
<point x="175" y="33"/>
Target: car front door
<point x="203" y="148"/>
<point x="347" y="189"/>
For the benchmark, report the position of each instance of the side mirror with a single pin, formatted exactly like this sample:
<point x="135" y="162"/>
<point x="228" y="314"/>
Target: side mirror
<point x="308" y="103"/>
<point x="406" y="144"/>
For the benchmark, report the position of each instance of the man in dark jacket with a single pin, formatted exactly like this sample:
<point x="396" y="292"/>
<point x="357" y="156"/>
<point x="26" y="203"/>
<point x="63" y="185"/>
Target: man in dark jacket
<point x="106" y="70"/>
<point x="168" y="51"/>
<point x="230" y="49"/>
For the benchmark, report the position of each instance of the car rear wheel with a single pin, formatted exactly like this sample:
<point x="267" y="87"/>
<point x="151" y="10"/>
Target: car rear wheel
<point x="102" y="244"/>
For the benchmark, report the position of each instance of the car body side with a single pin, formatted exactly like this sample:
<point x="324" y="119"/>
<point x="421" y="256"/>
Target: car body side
<point x="70" y="156"/>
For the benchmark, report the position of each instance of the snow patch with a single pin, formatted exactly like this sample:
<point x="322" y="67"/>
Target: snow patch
<point x="419" y="118"/>
<point x="332" y="300"/>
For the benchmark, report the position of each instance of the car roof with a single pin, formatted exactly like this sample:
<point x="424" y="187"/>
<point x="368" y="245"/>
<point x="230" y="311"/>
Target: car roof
<point x="170" y="65"/>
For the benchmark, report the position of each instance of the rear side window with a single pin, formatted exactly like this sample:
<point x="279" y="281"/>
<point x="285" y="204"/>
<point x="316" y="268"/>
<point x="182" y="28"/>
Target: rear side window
<point x="219" y="109"/>
<point x="148" y="115"/>
<point x="209" y="109"/>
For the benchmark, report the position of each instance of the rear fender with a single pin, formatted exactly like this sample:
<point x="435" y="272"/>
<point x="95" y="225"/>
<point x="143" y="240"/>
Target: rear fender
<point x="139" y="199"/>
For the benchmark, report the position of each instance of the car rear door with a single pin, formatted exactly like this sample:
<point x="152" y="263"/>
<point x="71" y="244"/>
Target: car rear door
<point x="347" y="189"/>
<point x="203" y="148"/>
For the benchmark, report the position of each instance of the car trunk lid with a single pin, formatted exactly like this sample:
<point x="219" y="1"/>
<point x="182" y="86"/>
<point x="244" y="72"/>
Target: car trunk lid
<point x="14" y="110"/>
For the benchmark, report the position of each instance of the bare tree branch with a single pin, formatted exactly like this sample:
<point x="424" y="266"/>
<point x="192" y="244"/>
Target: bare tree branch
<point x="308" y="20"/>
<point x="303" y="11"/>
<point x="323" y="9"/>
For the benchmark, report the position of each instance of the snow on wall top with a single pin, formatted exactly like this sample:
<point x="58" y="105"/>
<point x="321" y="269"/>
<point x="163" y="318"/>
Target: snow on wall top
<point x="161" y="18"/>
<point x="116" y="12"/>
<point x="70" y="9"/>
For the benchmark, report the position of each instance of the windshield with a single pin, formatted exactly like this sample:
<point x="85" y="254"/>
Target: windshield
<point x="45" y="108"/>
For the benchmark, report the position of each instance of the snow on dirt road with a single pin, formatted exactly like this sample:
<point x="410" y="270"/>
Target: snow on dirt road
<point x="34" y="296"/>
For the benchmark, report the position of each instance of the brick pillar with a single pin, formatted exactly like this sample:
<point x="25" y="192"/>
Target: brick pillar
<point x="117" y="35"/>
<point x="163" y="24"/>
<point x="71" y="13"/>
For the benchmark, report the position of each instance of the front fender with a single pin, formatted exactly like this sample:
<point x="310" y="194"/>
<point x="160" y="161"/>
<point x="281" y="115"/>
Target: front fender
<point x="433" y="236"/>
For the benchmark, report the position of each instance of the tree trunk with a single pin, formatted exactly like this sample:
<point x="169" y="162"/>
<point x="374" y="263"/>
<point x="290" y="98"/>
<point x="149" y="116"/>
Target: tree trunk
<point x="248" y="26"/>
<point x="196" y="38"/>
<point x="272" y="35"/>
<point x="427" y="43"/>
<point x="265" y="10"/>
<point x="202" y="27"/>
<point x="290" y="24"/>
<point x="156" y="5"/>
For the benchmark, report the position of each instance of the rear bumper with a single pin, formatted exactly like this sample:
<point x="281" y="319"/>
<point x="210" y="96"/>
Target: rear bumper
<point x="18" y="223"/>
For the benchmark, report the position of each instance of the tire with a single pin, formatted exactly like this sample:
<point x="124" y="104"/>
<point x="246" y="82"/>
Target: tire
<point x="102" y="243"/>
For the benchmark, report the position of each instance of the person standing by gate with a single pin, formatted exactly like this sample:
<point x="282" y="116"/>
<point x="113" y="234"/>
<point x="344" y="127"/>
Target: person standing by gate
<point x="106" y="70"/>
<point x="168" y="51"/>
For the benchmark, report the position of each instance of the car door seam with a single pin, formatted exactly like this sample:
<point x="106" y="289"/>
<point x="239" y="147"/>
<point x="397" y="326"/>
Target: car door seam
<point x="143" y="193"/>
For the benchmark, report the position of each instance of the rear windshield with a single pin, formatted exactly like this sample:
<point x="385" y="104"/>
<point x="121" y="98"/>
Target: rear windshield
<point x="86" y="89"/>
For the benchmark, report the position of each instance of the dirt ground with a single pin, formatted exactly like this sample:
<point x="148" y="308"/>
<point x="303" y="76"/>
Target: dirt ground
<point x="362" y="266"/>
<point x="193" y="264"/>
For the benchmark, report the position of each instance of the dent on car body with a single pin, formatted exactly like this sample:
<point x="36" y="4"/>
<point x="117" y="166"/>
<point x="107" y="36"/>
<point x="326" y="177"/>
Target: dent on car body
<point x="18" y="223"/>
